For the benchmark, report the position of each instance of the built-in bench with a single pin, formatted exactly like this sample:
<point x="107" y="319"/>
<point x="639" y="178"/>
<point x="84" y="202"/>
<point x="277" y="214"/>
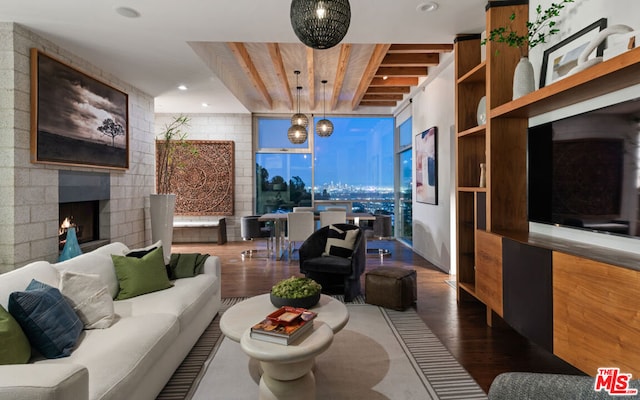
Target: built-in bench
<point x="219" y="225"/>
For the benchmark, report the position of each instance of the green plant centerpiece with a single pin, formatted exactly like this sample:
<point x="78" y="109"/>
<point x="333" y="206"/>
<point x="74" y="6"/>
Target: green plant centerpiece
<point x="538" y="31"/>
<point x="296" y="292"/>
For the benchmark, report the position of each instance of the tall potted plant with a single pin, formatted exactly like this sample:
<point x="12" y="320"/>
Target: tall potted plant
<point x="163" y="203"/>
<point x="538" y="32"/>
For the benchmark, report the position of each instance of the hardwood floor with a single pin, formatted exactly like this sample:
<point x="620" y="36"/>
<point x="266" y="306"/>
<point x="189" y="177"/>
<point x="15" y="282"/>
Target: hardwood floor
<point x="483" y="351"/>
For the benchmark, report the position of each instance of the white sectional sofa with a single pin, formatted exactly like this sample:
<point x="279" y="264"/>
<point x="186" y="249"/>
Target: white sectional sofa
<point x="134" y="357"/>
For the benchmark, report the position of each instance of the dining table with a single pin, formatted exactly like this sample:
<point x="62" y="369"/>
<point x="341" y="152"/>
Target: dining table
<point x="279" y="220"/>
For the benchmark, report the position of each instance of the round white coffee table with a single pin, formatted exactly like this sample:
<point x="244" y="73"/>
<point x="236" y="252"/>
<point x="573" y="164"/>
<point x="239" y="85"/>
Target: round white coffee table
<point x="242" y="316"/>
<point x="286" y="370"/>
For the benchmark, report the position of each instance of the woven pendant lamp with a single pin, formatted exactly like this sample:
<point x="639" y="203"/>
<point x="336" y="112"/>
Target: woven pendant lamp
<point x="324" y="127"/>
<point x="320" y="24"/>
<point x="297" y="133"/>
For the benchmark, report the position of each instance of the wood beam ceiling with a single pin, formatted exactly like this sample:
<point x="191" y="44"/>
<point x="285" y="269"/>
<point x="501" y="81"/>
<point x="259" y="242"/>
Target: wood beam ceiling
<point x="242" y="56"/>
<point x="379" y="52"/>
<point x="406" y="81"/>
<point x="411" y="60"/>
<point x="343" y="61"/>
<point x="390" y="73"/>
<point x="311" y="78"/>
<point x="389" y="89"/>
<point x="399" y="70"/>
<point x="278" y="65"/>
<point x="421" y="48"/>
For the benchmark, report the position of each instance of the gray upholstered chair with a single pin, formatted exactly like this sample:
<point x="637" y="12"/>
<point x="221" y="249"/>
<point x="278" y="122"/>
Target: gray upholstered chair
<point x="538" y="386"/>
<point x="336" y="274"/>
<point x="251" y="228"/>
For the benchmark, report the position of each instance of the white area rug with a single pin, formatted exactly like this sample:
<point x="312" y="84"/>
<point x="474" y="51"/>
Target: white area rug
<point x="380" y="354"/>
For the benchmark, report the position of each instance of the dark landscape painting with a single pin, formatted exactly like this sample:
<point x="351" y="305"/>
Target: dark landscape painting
<point x="77" y="119"/>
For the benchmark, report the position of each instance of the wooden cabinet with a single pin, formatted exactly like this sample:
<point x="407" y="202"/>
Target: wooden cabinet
<point x="595" y="314"/>
<point x="489" y="270"/>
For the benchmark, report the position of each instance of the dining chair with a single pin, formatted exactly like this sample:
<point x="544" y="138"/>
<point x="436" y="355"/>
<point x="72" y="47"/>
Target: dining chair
<point x="300" y="225"/>
<point x="298" y="209"/>
<point x="332" y="217"/>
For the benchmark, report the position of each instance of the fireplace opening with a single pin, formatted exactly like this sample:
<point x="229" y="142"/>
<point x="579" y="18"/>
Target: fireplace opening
<point x="84" y="216"/>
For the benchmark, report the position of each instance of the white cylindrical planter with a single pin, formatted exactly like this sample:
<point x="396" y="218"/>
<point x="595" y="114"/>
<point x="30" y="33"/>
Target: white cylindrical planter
<point x="162" y="207"/>
<point x="523" y="81"/>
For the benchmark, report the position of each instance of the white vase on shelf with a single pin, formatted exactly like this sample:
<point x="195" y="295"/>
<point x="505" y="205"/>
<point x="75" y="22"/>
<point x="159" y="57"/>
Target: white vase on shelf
<point x="523" y="81"/>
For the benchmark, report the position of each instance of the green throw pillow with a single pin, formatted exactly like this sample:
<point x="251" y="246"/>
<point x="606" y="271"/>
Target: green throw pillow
<point x="186" y="265"/>
<point x="138" y="276"/>
<point x="15" y="347"/>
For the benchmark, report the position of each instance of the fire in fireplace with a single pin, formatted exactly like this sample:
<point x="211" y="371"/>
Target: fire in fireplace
<point x="82" y="215"/>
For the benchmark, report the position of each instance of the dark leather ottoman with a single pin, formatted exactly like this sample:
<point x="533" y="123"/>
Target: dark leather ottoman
<point x="391" y="287"/>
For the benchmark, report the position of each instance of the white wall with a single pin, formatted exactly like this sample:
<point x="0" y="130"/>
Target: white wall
<point x="29" y="192"/>
<point x="235" y="127"/>
<point x="432" y="224"/>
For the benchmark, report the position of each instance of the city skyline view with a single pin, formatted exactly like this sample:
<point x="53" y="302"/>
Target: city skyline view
<point x="354" y="164"/>
<point x="359" y="153"/>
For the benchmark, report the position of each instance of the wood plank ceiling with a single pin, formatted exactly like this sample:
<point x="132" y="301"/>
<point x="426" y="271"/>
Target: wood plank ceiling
<point x="359" y="76"/>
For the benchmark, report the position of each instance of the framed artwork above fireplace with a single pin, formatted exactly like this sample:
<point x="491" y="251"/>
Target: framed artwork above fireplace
<point x="75" y="118"/>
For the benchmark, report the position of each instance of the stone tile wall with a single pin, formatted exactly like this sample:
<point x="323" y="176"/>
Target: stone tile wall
<point x="29" y="192"/>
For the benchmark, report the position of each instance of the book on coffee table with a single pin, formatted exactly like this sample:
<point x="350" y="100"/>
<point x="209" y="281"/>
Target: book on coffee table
<point x="283" y="326"/>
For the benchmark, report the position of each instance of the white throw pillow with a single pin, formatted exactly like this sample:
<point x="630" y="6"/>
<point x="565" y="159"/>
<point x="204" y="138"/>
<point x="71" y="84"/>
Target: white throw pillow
<point x="340" y="242"/>
<point x="89" y="297"/>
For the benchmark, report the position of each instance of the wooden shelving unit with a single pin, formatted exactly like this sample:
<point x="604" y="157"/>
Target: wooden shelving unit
<point x="492" y="220"/>
<point x="483" y="207"/>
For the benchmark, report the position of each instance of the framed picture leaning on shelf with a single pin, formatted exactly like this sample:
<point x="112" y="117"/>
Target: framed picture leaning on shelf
<point x="427" y="166"/>
<point x="559" y="59"/>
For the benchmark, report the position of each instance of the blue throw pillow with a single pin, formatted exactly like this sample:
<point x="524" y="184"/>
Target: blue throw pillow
<point x="49" y="322"/>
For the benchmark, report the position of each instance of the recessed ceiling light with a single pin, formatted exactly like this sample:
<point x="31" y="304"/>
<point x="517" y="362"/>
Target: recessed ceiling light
<point x="127" y="12"/>
<point x="182" y="87"/>
<point x="205" y="105"/>
<point x="427" y="7"/>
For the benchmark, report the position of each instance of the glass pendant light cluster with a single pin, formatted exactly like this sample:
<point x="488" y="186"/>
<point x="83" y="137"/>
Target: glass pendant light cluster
<point x="324" y="127"/>
<point x="297" y="133"/>
<point x="320" y="24"/>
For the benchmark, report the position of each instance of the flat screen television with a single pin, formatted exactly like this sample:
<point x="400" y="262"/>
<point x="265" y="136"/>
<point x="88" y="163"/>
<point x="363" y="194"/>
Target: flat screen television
<point x="583" y="170"/>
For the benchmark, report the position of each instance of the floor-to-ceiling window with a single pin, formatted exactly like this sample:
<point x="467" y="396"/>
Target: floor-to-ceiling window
<point x="283" y="170"/>
<point x="354" y="164"/>
<point x="404" y="229"/>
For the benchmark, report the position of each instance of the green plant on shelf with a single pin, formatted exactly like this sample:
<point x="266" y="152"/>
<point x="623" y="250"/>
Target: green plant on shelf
<point x="538" y="31"/>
